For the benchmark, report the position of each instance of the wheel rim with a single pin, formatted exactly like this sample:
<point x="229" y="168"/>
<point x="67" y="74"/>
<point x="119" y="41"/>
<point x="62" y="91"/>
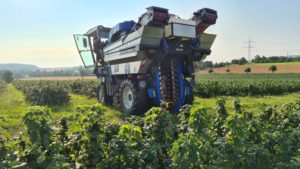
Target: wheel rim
<point x="127" y="97"/>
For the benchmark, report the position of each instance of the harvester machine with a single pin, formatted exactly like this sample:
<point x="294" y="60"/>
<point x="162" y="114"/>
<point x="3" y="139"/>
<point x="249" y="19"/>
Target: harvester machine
<point x="149" y="62"/>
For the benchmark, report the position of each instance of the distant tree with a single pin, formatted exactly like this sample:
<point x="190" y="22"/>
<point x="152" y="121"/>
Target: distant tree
<point x="7" y="76"/>
<point x="273" y="68"/>
<point x="247" y="70"/>
<point x="242" y="61"/>
<point x="206" y="65"/>
<point x="82" y="72"/>
<point x="257" y="59"/>
<point x="275" y="59"/>
<point x="227" y="71"/>
<point x="235" y="61"/>
<point x="210" y="71"/>
<point x="222" y="64"/>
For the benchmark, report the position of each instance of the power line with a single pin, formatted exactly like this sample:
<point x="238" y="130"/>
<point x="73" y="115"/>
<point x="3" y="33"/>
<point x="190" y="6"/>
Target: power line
<point x="250" y="46"/>
<point x="249" y="49"/>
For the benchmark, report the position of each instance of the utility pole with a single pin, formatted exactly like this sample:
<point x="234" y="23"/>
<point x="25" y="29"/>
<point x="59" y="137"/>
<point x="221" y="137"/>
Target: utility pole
<point x="249" y="48"/>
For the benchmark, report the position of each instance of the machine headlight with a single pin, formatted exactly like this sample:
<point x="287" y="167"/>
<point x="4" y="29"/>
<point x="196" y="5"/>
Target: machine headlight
<point x="142" y="84"/>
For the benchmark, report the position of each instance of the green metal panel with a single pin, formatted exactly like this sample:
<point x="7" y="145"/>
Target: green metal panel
<point x="206" y="40"/>
<point x="152" y="36"/>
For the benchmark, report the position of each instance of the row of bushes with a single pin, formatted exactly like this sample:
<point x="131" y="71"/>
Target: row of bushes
<point x="55" y="92"/>
<point x="43" y="92"/>
<point x="213" y="88"/>
<point x="191" y="139"/>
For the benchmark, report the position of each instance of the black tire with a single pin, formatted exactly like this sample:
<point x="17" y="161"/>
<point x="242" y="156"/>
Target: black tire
<point x="102" y="96"/>
<point x="132" y="100"/>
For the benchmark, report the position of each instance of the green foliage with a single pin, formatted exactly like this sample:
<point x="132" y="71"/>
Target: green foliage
<point x="206" y="65"/>
<point x="38" y="121"/>
<point x="242" y="61"/>
<point x="275" y="59"/>
<point x="43" y="93"/>
<point x="210" y="71"/>
<point x="207" y="85"/>
<point x="7" y="76"/>
<point x="273" y="68"/>
<point x="252" y="85"/>
<point x="82" y="87"/>
<point x="158" y="124"/>
<point x="2" y="85"/>
<point x="130" y="132"/>
<point x="186" y="151"/>
<point x="247" y="70"/>
<point x="194" y="139"/>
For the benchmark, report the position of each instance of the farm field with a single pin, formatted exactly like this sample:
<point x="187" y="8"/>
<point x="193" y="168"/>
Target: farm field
<point x="13" y="105"/>
<point x="150" y="85"/>
<point x="289" y="67"/>
<point x="74" y="131"/>
<point x="59" y="78"/>
<point x="266" y="76"/>
<point x="246" y="85"/>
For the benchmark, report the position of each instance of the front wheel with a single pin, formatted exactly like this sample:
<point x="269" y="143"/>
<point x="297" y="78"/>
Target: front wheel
<point x="131" y="99"/>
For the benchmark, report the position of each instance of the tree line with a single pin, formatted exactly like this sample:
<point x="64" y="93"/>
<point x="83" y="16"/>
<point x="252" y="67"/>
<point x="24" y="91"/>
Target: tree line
<point x="258" y="59"/>
<point x="71" y="72"/>
<point x="209" y="64"/>
<point x="9" y="76"/>
<point x="275" y="59"/>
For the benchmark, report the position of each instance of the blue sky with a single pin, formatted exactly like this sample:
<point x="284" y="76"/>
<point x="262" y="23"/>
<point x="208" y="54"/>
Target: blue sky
<point x="40" y="31"/>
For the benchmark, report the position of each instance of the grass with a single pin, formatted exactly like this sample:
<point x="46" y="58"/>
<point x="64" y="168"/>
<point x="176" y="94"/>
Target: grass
<point x="250" y="104"/>
<point x="13" y="106"/>
<point x="111" y="114"/>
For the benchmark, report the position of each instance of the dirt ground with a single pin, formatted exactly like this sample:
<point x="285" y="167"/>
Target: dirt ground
<point x="239" y="69"/>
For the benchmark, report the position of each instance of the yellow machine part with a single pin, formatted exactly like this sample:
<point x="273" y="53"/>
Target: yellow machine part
<point x="206" y="40"/>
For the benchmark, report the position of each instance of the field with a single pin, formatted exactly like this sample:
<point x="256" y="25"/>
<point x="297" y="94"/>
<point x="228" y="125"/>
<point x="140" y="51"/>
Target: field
<point x="289" y="67"/>
<point x="59" y="78"/>
<point x="244" y="129"/>
<point x="246" y="85"/>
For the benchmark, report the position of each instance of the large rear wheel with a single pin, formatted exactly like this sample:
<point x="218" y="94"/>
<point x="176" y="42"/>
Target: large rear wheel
<point x="132" y="100"/>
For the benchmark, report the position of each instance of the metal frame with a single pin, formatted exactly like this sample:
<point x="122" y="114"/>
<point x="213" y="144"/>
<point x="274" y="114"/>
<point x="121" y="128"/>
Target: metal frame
<point x="79" y="51"/>
<point x="176" y="36"/>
